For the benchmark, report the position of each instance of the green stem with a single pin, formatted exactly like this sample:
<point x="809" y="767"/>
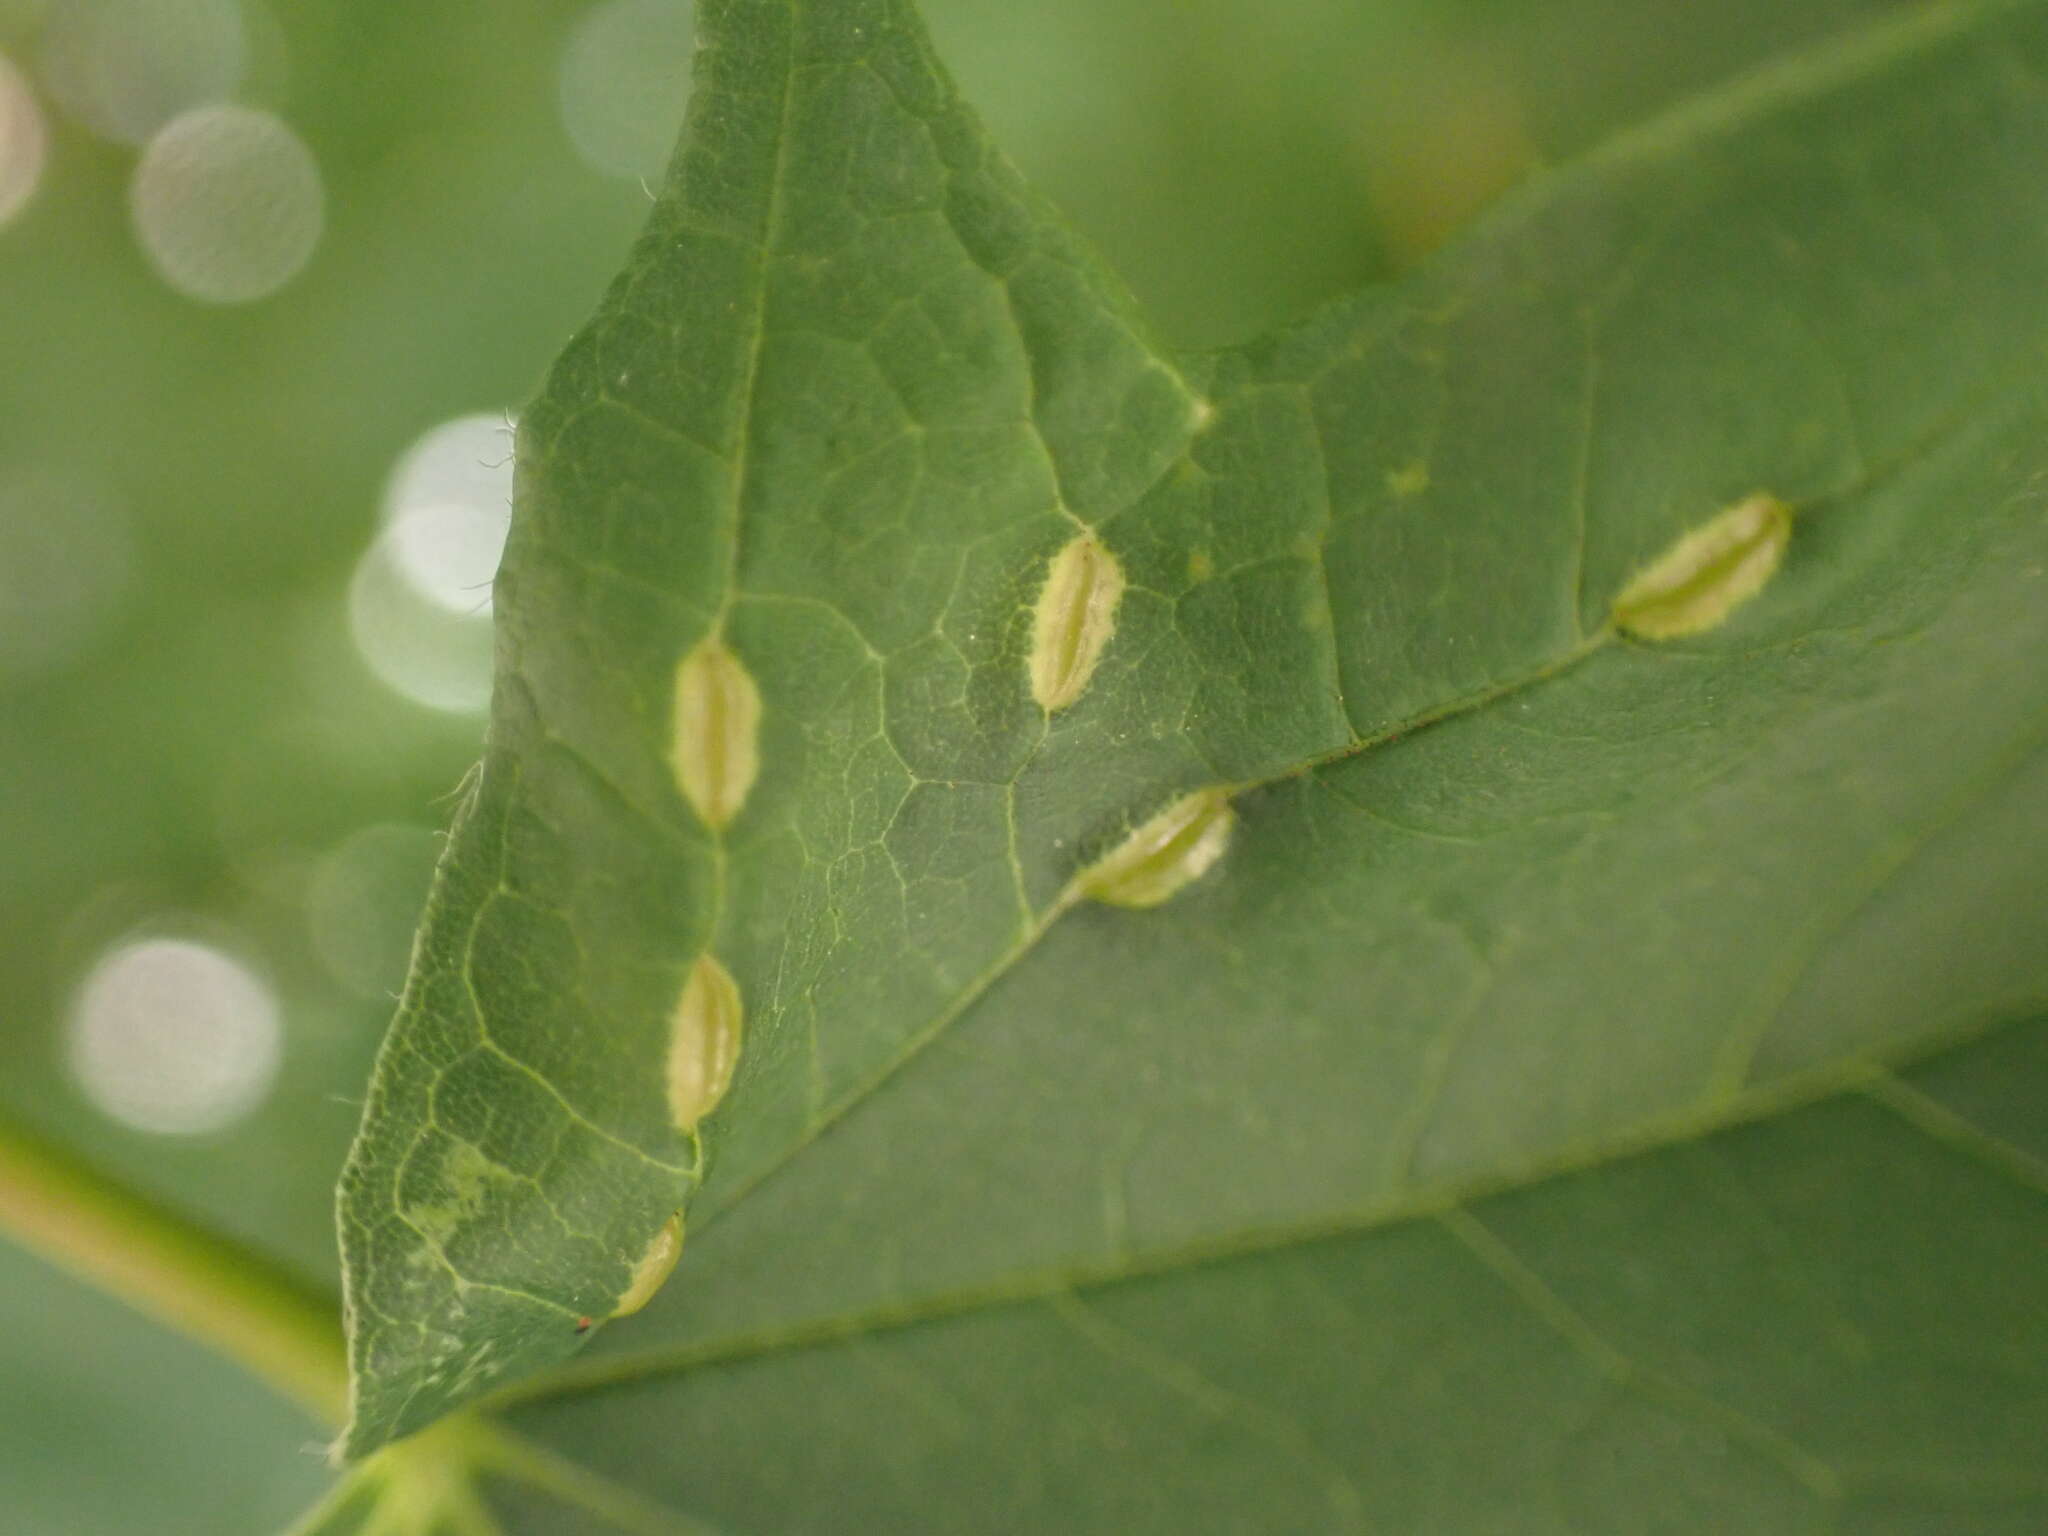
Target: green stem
<point x="192" y="1280"/>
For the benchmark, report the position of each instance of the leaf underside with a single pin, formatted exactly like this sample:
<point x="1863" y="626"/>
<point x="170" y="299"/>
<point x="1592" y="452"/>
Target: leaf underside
<point x="1305" y="1192"/>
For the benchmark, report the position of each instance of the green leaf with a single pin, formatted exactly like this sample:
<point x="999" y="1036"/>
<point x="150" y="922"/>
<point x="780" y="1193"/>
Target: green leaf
<point x="837" y="416"/>
<point x="1831" y="1316"/>
<point x="1263" y="1191"/>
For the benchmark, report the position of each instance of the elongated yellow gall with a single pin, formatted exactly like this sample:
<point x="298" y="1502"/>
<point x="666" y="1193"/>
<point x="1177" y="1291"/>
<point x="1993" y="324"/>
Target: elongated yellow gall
<point x="717" y="748"/>
<point x="1702" y="578"/>
<point x="654" y="1267"/>
<point x="704" y="1042"/>
<point x="1075" y="617"/>
<point x="1168" y="853"/>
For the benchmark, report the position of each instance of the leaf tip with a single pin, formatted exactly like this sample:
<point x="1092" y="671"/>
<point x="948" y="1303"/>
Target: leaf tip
<point x="1708" y="573"/>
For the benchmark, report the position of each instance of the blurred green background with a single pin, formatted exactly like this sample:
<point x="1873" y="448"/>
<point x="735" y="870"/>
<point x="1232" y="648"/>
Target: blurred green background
<point x="243" y="553"/>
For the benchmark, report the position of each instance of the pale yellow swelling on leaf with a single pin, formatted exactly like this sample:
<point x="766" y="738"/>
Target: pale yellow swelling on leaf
<point x="704" y="1042"/>
<point x="1075" y="617"/>
<point x="1702" y="578"/>
<point x="717" y="731"/>
<point x="654" y="1267"/>
<point x="1171" y="851"/>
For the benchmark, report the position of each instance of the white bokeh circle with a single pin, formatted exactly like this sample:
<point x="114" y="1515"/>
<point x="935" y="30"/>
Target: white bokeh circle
<point x="227" y="203"/>
<point x="173" y="1036"/>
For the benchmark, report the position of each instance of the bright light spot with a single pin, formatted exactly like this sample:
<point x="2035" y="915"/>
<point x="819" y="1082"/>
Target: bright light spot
<point x="228" y="204"/>
<point x="446" y="509"/>
<point x="24" y="143"/>
<point x="174" y="1037"/>
<point x="625" y="82"/>
<point x="126" y="67"/>
<point x="414" y="645"/>
<point x="363" y="902"/>
<point x="64" y="568"/>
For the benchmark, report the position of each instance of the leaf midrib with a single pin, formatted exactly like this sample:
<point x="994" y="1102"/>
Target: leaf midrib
<point x="1069" y="898"/>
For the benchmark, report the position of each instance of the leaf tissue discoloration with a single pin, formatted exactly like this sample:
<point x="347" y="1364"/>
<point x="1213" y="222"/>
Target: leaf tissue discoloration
<point x="717" y="731"/>
<point x="1075" y="617"/>
<point x="704" y="1042"/>
<point x="1164" y="855"/>
<point x="1708" y="573"/>
<point x="654" y="1267"/>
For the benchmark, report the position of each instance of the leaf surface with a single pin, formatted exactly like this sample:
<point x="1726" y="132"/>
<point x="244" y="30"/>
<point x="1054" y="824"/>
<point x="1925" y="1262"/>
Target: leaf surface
<point x="1828" y="1320"/>
<point x="1508" y="895"/>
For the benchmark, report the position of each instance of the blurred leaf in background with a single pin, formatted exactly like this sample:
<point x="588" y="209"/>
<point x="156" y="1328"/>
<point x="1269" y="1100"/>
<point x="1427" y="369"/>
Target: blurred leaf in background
<point x="274" y="282"/>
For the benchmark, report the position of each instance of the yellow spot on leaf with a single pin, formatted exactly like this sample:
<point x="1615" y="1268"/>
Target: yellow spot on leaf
<point x="1075" y="617"/>
<point x="1171" y="851"/>
<point x="653" y="1268"/>
<point x="456" y="1192"/>
<point x="704" y="1042"/>
<point x="1701" y="579"/>
<point x="717" y="731"/>
<point x="1409" y="480"/>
